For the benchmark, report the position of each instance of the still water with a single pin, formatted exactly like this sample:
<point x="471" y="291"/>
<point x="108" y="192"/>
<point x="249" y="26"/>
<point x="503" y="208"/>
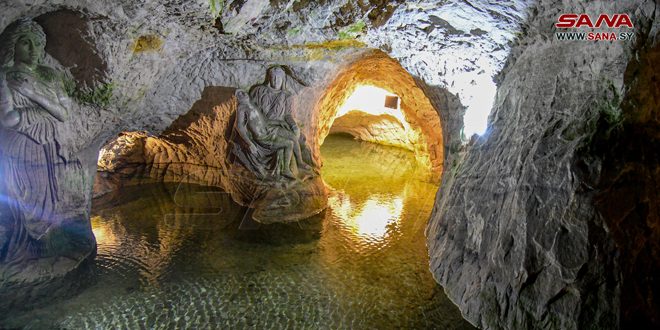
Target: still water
<point x="184" y="256"/>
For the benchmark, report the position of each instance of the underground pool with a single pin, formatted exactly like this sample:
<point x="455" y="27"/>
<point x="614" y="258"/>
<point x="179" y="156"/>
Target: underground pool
<point x="186" y="255"/>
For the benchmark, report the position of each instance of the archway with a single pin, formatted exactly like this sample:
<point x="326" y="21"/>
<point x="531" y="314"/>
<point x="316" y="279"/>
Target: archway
<point x="371" y="73"/>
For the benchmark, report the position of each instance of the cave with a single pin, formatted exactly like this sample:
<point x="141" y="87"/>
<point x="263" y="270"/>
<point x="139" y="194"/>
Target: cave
<point x="329" y="164"/>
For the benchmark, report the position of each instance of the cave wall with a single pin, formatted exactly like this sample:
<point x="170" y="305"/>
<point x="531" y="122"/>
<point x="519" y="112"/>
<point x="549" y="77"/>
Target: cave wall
<point x="155" y="59"/>
<point x="545" y="220"/>
<point x="160" y="55"/>
<point x="193" y="149"/>
<point x="628" y="196"/>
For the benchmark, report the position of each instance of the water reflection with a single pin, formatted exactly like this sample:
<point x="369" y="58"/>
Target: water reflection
<point x="103" y="233"/>
<point x="371" y="219"/>
<point x="170" y="216"/>
<point x="369" y="187"/>
<point x="184" y="256"/>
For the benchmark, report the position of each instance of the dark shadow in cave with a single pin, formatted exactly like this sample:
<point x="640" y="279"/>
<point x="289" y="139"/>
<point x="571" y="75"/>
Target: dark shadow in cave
<point x="68" y="42"/>
<point x="628" y="197"/>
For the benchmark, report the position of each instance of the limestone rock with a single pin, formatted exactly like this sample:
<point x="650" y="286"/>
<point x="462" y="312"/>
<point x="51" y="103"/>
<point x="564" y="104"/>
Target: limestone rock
<point x="528" y="229"/>
<point x="382" y="129"/>
<point x="195" y="150"/>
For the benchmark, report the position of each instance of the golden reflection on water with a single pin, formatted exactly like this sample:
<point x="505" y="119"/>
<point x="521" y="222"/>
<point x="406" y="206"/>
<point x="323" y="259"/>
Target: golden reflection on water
<point x="103" y="233"/>
<point x="372" y="189"/>
<point x="369" y="186"/>
<point x="372" y="219"/>
<point x="180" y="256"/>
<point x="148" y="244"/>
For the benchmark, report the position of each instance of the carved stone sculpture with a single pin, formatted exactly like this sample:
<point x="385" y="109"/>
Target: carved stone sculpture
<point x="277" y="104"/>
<point x="268" y="143"/>
<point x="265" y="137"/>
<point x="38" y="219"/>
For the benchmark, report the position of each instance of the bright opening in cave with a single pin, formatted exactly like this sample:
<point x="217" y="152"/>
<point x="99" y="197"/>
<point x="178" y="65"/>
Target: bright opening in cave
<point x="374" y="114"/>
<point x="373" y="139"/>
<point x="478" y="103"/>
<point x="377" y="194"/>
<point x="374" y="101"/>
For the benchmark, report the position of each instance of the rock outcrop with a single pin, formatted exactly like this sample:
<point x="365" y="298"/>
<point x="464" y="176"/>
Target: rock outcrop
<point x="381" y="129"/>
<point x="195" y="149"/>
<point x="544" y="221"/>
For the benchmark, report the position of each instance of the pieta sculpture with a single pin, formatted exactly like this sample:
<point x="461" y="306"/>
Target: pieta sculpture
<point x="268" y="143"/>
<point x="266" y="137"/>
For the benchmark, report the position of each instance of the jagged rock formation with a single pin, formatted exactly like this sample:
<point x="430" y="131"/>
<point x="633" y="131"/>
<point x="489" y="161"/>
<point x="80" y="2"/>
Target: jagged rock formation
<point x="545" y="220"/>
<point x="192" y="150"/>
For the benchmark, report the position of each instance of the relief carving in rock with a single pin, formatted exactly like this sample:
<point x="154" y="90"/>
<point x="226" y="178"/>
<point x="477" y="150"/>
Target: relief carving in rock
<point x="267" y="142"/>
<point x="270" y="138"/>
<point x="36" y="217"/>
<point x="265" y="138"/>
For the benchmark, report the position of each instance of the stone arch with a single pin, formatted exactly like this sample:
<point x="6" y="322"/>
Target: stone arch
<point x="377" y="69"/>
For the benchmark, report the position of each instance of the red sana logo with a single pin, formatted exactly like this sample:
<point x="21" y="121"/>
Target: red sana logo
<point x="573" y="21"/>
<point x="605" y="21"/>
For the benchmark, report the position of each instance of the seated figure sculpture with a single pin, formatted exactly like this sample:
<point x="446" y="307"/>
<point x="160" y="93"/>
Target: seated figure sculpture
<point x="276" y="102"/>
<point x="262" y="135"/>
<point x="276" y="176"/>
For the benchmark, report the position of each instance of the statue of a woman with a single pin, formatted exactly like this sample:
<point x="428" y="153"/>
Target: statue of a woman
<point x="33" y="107"/>
<point x="256" y="131"/>
<point x="276" y="103"/>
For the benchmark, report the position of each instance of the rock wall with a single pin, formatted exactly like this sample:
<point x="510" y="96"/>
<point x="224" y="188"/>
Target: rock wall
<point x="192" y="150"/>
<point x="160" y="55"/>
<point x="627" y="191"/>
<point x="381" y="129"/>
<point x="543" y="222"/>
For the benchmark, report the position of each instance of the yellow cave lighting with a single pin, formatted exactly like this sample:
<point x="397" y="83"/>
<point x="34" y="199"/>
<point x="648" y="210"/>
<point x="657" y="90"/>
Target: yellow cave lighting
<point x="371" y="100"/>
<point x="103" y="232"/>
<point x="371" y="219"/>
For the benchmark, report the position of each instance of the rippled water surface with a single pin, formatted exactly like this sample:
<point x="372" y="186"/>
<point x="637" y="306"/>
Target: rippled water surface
<point x="183" y="256"/>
